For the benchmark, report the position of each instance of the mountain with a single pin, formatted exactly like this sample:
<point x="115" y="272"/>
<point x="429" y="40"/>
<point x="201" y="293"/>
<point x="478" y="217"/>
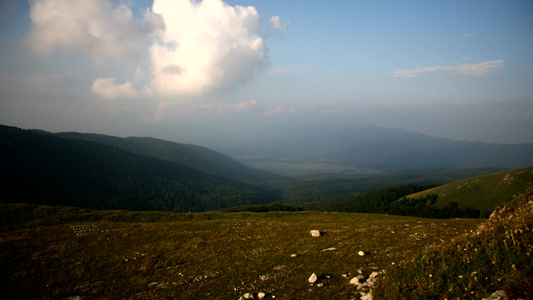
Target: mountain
<point x="373" y="147"/>
<point x="483" y="192"/>
<point x="193" y="156"/>
<point x="46" y="169"/>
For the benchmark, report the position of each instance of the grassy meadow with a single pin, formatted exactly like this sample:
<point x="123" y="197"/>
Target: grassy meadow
<point x="59" y="252"/>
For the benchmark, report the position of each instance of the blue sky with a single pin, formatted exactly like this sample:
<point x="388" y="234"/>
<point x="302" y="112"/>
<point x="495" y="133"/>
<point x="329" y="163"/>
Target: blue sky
<point x="177" y="70"/>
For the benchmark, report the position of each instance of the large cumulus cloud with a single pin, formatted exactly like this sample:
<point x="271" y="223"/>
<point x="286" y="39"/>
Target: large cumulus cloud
<point x="183" y="49"/>
<point x="205" y="46"/>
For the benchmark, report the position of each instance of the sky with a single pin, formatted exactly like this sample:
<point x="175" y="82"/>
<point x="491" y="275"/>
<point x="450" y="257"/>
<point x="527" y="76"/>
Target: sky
<point x="183" y="70"/>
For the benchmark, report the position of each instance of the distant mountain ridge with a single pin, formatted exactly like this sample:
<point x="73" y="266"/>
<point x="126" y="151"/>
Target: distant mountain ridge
<point x="379" y="148"/>
<point x="46" y="169"/>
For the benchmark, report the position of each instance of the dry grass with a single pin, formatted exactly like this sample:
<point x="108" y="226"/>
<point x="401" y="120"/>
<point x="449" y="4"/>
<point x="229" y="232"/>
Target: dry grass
<point x="94" y="254"/>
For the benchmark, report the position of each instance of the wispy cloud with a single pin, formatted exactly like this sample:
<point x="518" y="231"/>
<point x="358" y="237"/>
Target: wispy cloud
<point x="107" y="88"/>
<point x="275" y="23"/>
<point x="479" y="69"/>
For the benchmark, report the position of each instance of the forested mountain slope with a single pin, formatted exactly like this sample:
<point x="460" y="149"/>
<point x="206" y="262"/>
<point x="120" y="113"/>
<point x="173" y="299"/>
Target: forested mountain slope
<point x="193" y="156"/>
<point x="44" y="169"/>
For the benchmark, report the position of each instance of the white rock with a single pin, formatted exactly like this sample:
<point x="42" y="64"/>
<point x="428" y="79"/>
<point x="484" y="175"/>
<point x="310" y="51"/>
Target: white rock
<point x="313" y="278"/>
<point x="329" y="249"/>
<point x="261" y="295"/>
<point x="357" y="280"/>
<point x="320" y="284"/>
<point x="373" y="275"/>
<point x="315" y="233"/>
<point x="294" y="255"/>
<point x="366" y="296"/>
<point x="248" y="296"/>
<point x="361" y="253"/>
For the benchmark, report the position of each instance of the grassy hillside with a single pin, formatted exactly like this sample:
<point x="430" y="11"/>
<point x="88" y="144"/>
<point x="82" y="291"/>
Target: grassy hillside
<point x="496" y="257"/>
<point x="484" y="192"/>
<point x="44" y="169"/>
<point x="59" y="252"/>
<point x="193" y="156"/>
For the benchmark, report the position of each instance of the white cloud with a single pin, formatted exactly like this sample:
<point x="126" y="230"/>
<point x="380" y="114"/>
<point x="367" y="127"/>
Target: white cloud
<point x="479" y="69"/>
<point x="275" y="23"/>
<point x="205" y="46"/>
<point x="194" y="48"/>
<point x="246" y="105"/>
<point x="93" y="27"/>
<point x="107" y="88"/>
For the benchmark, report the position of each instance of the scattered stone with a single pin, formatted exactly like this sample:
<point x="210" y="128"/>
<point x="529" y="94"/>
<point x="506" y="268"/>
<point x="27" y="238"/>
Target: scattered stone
<point x="315" y="233"/>
<point x="261" y="295"/>
<point x="279" y="268"/>
<point x="498" y="295"/>
<point x="361" y="253"/>
<point x="367" y="296"/>
<point x="373" y="275"/>
<point x="152" y="284"/>
<point x="264" y="277"/>
<point x="357" y="280"/>
<point x="294" y="255"/>
<point x="346" y="275"/>
<point x="313" y="278"/>
<point x="329" y="249"/>
<point x="74" y="298"/>
<point x="248" y="296"/>
<point x="361" y="281"/>
<point x="320" y="284"/>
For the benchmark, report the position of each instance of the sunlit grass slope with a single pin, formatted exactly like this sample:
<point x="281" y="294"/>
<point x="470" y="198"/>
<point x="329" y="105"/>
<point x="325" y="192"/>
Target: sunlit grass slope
<point x="484" y="192"/>
<point x="498" y="257"/>
<point x="59" y="252"/>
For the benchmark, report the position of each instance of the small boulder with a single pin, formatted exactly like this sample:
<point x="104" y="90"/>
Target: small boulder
<point x="361" y="253"/>
<point x="498" y="295"/>
<point x="315" y="233"/>
<point x="366" y="296"/>
<point x="261" y="295"/>
<point x="313" y="278"/>
<point x="357" y="280"/>
<point x="248" y="296"/>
